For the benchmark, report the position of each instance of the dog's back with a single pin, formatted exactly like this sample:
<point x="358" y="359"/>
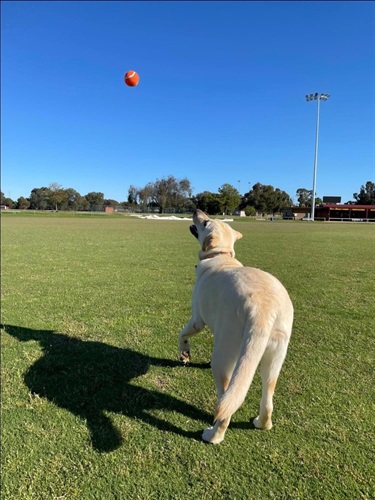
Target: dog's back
<point x="228" y="289"/>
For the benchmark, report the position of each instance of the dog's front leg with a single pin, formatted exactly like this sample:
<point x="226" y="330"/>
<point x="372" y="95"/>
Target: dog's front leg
<point x="192" y="327"/>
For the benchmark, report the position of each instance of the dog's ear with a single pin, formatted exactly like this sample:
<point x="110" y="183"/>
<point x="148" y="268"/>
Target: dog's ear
<point x="210" y="242"/>
<point x="238" y="235"/>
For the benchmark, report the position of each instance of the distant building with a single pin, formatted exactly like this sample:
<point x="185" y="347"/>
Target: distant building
<point x="333" y="212"/>
<point x="4" y="207"/>
<point x="345" y="212"/>
<point x="296" y="213"/>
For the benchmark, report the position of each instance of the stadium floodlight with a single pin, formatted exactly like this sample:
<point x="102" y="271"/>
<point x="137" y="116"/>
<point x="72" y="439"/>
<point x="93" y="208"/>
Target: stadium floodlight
<point x="318" y="97"/>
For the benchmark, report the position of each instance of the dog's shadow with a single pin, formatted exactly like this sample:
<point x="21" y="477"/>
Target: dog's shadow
<point x="91" y="378"/>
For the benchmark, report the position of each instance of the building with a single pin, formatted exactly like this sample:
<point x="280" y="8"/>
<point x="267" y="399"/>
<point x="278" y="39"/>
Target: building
<point x="333" y="212"/>
<point x="296" y="213"/>
<point x="354" y="213"/>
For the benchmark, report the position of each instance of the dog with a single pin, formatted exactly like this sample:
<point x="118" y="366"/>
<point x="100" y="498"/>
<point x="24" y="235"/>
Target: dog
<point x="250" y="315"/>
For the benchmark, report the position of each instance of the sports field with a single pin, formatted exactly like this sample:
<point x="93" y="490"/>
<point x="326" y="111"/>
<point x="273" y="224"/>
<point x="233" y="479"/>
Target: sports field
<point x="96" y="406"/>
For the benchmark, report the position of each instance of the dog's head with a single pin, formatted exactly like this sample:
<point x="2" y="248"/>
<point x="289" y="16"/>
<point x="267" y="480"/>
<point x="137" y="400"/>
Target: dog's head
<point x="216" y="237"/>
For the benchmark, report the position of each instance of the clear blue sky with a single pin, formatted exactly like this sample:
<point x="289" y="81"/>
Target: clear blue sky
<point x="221" y="97"/>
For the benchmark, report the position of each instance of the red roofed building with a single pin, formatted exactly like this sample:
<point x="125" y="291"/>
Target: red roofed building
<point x="355" y="213"/>
<point x="333" y="212"/>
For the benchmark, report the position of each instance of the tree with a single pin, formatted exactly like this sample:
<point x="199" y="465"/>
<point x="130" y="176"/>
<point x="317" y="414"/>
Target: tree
<point x="110" y="203"/>
<point x="304" y="197"/>
<point x="57" y="198"/>
<point x="184" y="190"/>
<point x="146" y="195"/>
<point x="267" y="199"/>
<point x="208" y="202"/>
<point x="9" y="202"/>
<point x="250" y="211"/>
<point x="133" y="195"/>
<point x="95" y="200"/>
<point x="57" y="195"/>
<point x="84" y="204"/>
<point x="366" y="195"/>
<point x="166" y="192"/>
<point x="259" y="196"/>
<point x="181" y="196"/>
<point x="200" y="200"/>
<point x="73" y="200"/>
<point x="40" y="198"/>
<point x="22" y="203"/>
<point x="160" y="193"/>
<point x="6" y="201"/>
<point x="229" y="198"/>
<point x="281" y="200"/>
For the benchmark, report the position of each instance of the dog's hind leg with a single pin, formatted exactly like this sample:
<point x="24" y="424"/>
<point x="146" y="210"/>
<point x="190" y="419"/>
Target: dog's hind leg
<point x="222" y="366"/>
<point x="192" y="327"/>
<point x="222" y="370"/>
<point x="270" y="367"/>
<point x="215" y="434"/>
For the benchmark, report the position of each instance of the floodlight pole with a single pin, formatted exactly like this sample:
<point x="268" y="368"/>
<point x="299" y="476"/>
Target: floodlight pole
<point x="312" y="216"/>
<point x="317" y="97"/>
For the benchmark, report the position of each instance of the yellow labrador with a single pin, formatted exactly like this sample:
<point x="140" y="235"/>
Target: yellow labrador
<point x="251" y="316"/>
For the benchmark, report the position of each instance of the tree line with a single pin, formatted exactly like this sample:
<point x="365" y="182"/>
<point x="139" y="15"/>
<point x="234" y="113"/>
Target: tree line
<point x="55" y="197"/>
<point x="261" y="198"/>
<point x="171" y="194"/>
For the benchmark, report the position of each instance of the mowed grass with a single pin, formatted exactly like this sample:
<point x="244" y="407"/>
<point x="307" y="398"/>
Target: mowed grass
<point x="95" y="404"/>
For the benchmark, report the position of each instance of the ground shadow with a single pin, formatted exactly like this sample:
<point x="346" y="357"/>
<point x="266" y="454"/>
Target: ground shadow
<point x="89" y="378"/>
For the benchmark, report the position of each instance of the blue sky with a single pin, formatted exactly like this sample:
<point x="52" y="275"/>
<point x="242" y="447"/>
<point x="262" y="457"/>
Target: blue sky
<point x="220" y="98"/>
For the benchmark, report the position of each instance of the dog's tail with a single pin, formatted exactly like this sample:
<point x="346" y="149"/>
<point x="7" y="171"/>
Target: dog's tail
<point x="254" y="343"/>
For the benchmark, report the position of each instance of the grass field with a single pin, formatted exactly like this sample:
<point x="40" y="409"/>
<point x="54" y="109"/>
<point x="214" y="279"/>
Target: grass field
<point x="96" y="406"/>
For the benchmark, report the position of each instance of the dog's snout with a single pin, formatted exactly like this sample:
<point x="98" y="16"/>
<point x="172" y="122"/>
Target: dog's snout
<point x="194" y="230"/>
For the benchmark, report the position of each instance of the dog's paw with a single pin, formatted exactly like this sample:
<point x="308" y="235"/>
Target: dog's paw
<point x="184" y="357"/>
<point x="209" y="436"/>
<point x="264" y="426"/>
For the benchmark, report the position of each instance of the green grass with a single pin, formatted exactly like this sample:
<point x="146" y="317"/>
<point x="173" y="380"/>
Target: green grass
<point x="95" y="404"/>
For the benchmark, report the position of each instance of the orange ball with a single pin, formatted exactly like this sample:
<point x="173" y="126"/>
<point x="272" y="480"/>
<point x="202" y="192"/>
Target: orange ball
<point x="131" y="78"/>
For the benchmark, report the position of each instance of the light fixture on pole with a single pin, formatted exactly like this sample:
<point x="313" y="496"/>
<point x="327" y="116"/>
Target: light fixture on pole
<point x="316" y="97"/>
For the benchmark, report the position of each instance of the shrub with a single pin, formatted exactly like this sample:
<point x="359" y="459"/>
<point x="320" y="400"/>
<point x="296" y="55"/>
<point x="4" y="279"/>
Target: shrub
<point x="250" y="211"/>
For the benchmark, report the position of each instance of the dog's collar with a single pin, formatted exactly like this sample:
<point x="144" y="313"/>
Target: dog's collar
<point x="216" y="254"/>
